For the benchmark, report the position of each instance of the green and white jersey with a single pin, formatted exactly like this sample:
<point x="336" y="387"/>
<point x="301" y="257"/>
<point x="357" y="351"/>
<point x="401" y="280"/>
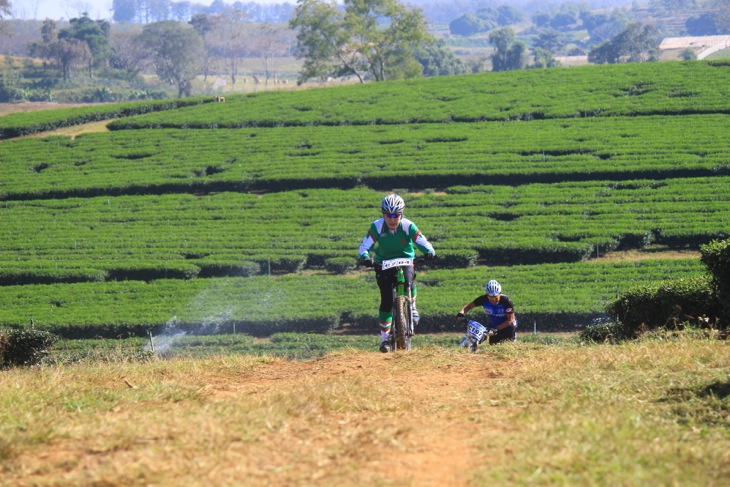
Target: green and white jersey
<point x="401" y="242"/>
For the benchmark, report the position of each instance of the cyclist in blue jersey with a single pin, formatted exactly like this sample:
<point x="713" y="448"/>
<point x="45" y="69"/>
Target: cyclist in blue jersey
<point x="501" y="321"/>
<point x="390" y="237"/>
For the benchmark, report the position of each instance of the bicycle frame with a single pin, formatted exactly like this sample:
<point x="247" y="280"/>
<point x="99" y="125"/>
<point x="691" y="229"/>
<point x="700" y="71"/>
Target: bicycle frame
<point x="402" y="329"/>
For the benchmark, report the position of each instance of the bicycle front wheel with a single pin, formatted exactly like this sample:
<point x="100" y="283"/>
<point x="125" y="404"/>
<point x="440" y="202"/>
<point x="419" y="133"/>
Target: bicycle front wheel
<point x="403" y="321"/>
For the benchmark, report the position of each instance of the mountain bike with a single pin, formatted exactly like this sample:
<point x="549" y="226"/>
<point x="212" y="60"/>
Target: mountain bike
<point x="402" y="329"/>
<point x="476" y="333"/>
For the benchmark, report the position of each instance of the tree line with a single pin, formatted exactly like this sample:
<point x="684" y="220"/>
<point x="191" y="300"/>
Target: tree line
<point x="176" y="51"/>
<point x="365" y="40"/>
<point x="370" y="40"/>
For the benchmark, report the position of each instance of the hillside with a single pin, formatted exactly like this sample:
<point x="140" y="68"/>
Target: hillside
<point x="227" y="215"/>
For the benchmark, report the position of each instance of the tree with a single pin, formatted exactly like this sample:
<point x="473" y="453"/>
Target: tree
<point x="93" y="33"/>
<point x="564" y="20"/>
<point x="124" y="10"/>
<point x="466" y="25"/>
<point x="544" y="59"/>
<point x="127" y="53"/>
<point x="70" y="53"/>
<point x="541" y="19"/>
<point x="438" y="60"/>
<point x="671" y="7"/>
<point x="157" y="10"/>
<point x="488" y="17"/>
<point x="634" y="44"/>
<point x="510" y="53"/>
<point x="606" y="31"/>
<point x="229" y="39"/>
<point x="551" y="40"/>
<point x="49" y="31"/>
<point x="67" y="52"/>
<point x="204" y="25"/>
<point x="176" y="50"/>
<point x="181" y="10"/>
<point x="507" y="15"/>
<point x="688" y="54"/>
<point x="704" y="25"/>
<point x="370" y="39"/>
<point x="270" y="43"/>
<point x="4" y="9"/>
<point x="723" y="15"/>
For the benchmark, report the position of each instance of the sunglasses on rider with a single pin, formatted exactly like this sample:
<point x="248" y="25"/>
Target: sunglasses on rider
<point x="392" y="216"/>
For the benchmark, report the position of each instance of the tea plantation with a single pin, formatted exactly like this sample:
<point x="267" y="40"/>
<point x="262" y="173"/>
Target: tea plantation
<point x="246" y="215"/>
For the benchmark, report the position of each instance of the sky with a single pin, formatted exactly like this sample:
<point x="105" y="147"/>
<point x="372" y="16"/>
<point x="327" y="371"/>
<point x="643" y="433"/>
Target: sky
<point x="60" y="9"/>
<point x="68" y="9"/>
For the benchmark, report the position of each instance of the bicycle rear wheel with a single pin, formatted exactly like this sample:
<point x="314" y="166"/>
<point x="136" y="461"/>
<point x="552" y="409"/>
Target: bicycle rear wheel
<point x="403" y="321"/>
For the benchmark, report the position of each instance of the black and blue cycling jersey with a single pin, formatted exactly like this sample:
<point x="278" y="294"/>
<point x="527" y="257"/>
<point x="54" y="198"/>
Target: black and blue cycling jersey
<point x="496" y="313"/>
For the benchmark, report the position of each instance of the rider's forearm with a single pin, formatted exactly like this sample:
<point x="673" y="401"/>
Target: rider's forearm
<point x="505" y="323"/>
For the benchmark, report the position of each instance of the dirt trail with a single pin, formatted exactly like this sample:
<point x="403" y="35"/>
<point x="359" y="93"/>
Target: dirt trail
<point x="429" y="443"/>
<point x="350" y="418"/>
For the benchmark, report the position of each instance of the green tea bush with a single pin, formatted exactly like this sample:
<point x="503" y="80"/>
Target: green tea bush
<point x="457" y="258"/>
<point x="24" y="347"/>
<point x="340" y="265"/>
<point x="666" y="304"/>
<point x="218" y="269"/>
<point x="716" y="257"/>
<point x="607" y="332"/>
<point x="496" y="254"/>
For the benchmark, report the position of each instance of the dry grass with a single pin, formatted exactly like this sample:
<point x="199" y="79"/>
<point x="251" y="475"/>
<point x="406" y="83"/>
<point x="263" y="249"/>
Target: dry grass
<point x="10" y="108"/>
<point x="31" y="106"/>
<point x="517" y="414"/>
<point x="647" y="253"/>
<point x="99" y="126"/>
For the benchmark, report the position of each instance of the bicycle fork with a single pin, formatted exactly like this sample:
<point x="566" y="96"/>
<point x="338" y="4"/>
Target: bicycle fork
<point x="402" y="318"/>
<point x="401" y="291"/>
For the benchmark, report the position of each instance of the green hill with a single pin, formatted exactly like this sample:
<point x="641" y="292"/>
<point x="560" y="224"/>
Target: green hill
<point x="248" y="213"/>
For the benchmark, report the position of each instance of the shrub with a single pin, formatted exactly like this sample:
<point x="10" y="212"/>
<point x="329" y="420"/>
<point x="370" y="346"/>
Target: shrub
<point x="665" y="304"/>
<point x="610" y="331"/>
<point x="223" y="269"/>
<point x="285" y="265"/>
<point x="24" y="347"/>
<point x="716" y="257"/>
<point x="340" y="265"/>
<point x="457" y="258"/>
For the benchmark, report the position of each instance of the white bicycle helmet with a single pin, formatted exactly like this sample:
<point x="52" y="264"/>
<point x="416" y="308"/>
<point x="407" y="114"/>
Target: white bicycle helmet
<point x="393" y="204"/>
<point x="493" y="288"/>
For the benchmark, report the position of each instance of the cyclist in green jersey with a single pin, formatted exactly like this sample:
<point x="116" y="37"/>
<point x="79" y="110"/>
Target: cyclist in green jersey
<point x="390" y="237"/>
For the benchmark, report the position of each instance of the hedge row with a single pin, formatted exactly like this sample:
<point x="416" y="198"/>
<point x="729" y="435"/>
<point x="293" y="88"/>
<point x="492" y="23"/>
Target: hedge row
<point x="189" y="236"/>
<point x="548" y="296"/>
<point x="526" y="95"/>
<point x="425" y="156"/>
